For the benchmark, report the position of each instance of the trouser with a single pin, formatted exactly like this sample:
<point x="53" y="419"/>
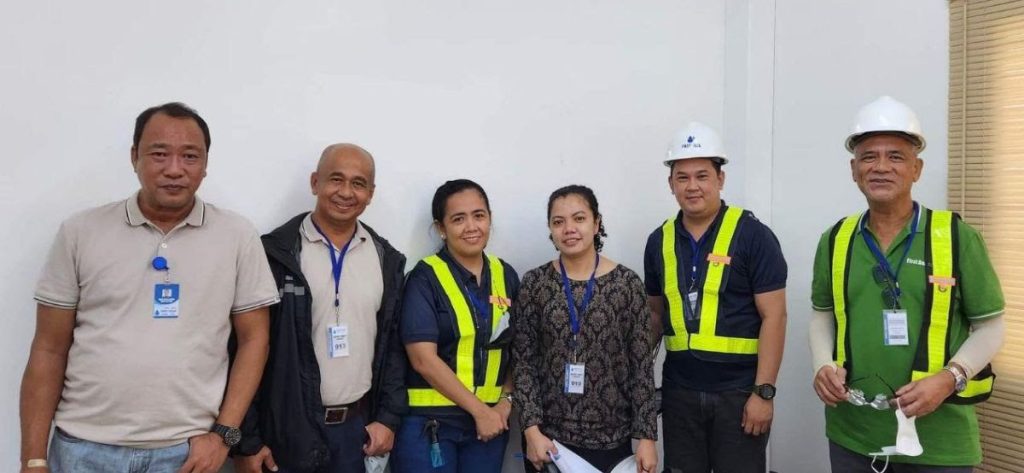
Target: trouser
<point x="70" y="454"/>
<point x="704" y="433"/>
<point x="848" y="461"/>
<point x="603" y="460"/>
<point x="345" y="443"/>
<point x="460" y="450"/>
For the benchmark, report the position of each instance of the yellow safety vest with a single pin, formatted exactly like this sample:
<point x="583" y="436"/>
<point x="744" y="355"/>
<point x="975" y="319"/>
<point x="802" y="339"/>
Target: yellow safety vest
<point x="465" y="357"/>
<point x="712" y="337"/>
<point x="932" y="348"/>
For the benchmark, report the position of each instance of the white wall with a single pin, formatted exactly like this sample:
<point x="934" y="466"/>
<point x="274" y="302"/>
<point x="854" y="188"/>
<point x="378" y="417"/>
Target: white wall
<point x="523" y="97"/>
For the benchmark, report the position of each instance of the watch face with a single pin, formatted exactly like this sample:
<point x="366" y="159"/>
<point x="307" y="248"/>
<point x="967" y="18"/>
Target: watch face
<point x="766" y="391"/>
<point x="232" y="437"/>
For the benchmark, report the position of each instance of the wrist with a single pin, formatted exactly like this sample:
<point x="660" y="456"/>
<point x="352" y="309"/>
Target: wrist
<point x="958" y="381"/>
<point x="480" y="409"/>
<point x="765" y="391"/>
<point x="228" y="435"/>
<point x="35" y="463"/>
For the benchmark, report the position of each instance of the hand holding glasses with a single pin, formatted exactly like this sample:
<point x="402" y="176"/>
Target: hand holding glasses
<point x="881" y="402"/>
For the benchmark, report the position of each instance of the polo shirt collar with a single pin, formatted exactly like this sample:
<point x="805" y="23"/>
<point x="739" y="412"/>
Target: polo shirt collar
<point x="133" y="214"/>
<point x="309" y="232"/>
<point x="906" y="228"/>
<point x="681" y="229"/>
<point x="464" y="274"/>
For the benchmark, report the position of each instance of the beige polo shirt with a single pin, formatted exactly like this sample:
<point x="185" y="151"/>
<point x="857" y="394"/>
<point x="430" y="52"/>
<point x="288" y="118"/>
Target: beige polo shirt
<point x="132" y="379"/>
<point x="345" y="379"/>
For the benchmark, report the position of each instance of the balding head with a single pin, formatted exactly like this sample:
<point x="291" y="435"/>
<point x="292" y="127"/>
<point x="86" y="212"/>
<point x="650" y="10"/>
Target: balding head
<point x="343" y="186"/>
<point x="346" y="151"/>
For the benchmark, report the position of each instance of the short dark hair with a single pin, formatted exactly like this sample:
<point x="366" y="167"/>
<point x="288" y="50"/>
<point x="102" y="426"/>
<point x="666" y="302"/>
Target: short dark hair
<point x="171" y="109"/>
<point x="450" y="188"/>
<point x="714" y="163"/>
<point x="588" y="195"/>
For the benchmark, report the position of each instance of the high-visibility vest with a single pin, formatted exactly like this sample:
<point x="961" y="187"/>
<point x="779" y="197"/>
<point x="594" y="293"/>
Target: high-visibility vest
<point x="714" y="336"/>
<point x="466" y="354"/>
<point x="933" y="351"/>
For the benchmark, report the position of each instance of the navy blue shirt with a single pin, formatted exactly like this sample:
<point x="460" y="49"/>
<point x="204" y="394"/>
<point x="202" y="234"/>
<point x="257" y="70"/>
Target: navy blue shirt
<point x="427" y="317"/>
<point x="757" y="267"/>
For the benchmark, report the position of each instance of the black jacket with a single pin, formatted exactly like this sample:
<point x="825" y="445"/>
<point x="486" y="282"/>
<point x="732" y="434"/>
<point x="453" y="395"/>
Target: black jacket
<point x="287" y="414"/>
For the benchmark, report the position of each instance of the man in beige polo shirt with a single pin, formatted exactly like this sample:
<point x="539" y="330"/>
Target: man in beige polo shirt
<point x="136" y="305"/>
<point x="333" y="393"/>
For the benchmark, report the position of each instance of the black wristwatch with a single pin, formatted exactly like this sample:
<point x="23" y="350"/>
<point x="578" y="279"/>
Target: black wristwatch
<point x="765" y="391"/>
<point x="231" y="435"/>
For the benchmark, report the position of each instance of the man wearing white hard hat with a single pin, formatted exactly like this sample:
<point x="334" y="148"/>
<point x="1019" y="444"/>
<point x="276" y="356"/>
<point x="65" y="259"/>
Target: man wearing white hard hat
<point x="907" y="314"/>
<point x="716" y="280"/>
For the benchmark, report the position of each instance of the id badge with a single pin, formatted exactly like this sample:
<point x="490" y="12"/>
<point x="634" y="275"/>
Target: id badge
<point x="691" y="297"/>
<point x="503" y="324"/>
<point x="337" y="341"/>
<point x="897" y="331"/>
<point x="574" y="377"/>
<point x="165" y="301"/>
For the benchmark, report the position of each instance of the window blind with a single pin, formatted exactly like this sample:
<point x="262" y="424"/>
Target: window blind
<point x="986" y="185"/>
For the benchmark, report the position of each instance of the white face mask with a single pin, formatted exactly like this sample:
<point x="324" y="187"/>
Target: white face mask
<point x="376" y="464"/>
<point x="907" y="443"/>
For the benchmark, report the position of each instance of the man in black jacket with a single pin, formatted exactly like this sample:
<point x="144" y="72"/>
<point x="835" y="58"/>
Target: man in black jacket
<point x="333" y="389"/>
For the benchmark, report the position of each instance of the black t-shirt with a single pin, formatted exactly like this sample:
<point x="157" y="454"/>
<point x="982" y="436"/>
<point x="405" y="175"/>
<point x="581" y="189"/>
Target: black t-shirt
<point x="757" y="266"/>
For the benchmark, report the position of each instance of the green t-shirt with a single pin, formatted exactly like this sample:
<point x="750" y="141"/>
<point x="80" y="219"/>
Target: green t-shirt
<point x="950" y="434"/>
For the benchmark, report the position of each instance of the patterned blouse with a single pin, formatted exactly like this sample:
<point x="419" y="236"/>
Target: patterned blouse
<point x="614" y="345"/>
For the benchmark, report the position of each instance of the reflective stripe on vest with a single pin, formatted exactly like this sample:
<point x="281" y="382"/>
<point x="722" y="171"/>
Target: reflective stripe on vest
<point x="706" y="339"/>
<point x="490" y="391"/>
<point x="932" y="351"/>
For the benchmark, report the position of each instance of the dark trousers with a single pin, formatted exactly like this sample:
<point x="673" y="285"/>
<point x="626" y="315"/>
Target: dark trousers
<point x="848" y="461"/>
<point x="603" y="460"/>
<point x="704" y="433"/>
<point x="461" y="450"/>
<point x="345" y="442"/>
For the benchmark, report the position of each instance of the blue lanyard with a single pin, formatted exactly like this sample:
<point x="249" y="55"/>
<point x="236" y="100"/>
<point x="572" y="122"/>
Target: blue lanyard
<point x="574" y="313"/>
<point x="337" y="263"/>
<point x="481" y="306"/>
<point x="880" y="257"/>
<point x="695" y="246"/>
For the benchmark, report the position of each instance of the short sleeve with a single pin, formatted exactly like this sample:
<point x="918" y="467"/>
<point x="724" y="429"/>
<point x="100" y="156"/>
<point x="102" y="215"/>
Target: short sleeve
<point x="980" y="292"/>
<point x="653" y="266"/>
<point x="768" y="270"/>
<point x="821" y="283"/>
<point x="511" y="281"/>
<point x="58" y="284"/>
<point x="254" y="283"/>
<point x="418" y="321"/>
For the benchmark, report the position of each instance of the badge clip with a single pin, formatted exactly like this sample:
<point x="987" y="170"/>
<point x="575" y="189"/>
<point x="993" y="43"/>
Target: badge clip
<point x="943" y="282"/>
<point x="719" y="259"/>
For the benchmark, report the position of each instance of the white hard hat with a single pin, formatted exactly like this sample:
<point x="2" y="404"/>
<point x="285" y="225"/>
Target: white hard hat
<point x="696" y="140"/>
<point x="886" y="114"/>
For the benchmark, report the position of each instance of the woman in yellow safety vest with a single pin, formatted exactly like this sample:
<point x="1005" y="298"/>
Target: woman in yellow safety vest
<point x="454" y="325"/>
<point x="582" y="352"/>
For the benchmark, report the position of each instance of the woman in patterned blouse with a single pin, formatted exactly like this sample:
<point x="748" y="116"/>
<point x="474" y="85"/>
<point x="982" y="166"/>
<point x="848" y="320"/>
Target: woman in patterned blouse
<point x="584" y="373"/>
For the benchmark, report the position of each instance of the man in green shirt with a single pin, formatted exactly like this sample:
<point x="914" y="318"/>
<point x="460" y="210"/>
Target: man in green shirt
<point x="907" y="313"/>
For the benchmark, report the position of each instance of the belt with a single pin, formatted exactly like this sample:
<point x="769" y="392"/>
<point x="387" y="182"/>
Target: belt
<point x="343" y="412"/>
